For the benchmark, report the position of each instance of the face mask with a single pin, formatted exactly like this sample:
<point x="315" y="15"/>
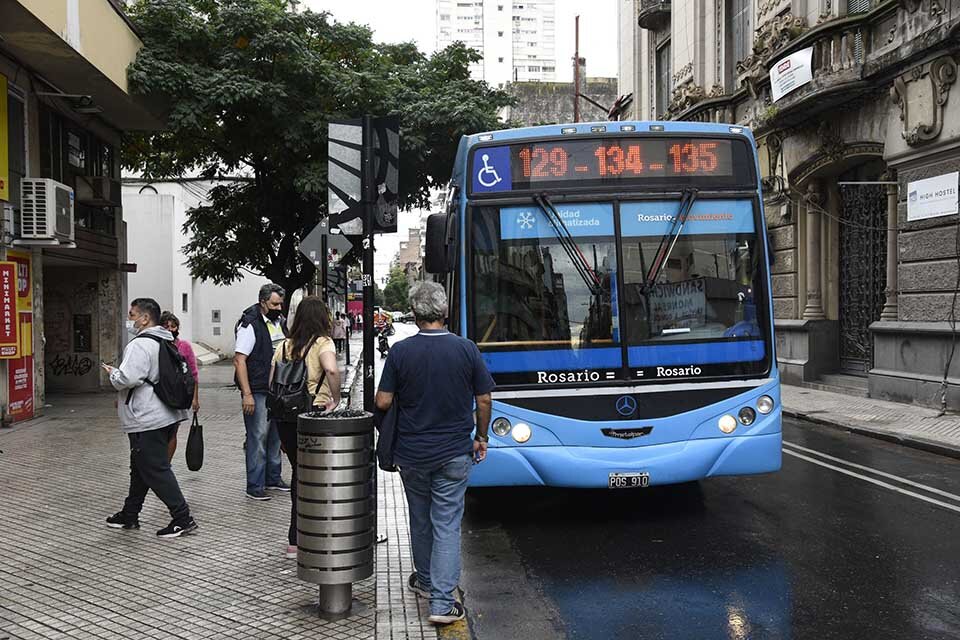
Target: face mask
<point x="273" y="315"/>
<point x="132" y="328"/>
<point x="176" y="334"/>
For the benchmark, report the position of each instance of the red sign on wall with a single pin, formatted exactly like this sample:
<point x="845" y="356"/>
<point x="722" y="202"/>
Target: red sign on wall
<point x="20" y="384"/>
<point x="9" y="334"/>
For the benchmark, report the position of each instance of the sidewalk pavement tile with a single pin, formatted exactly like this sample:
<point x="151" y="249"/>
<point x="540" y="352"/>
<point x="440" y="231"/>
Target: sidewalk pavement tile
<point x="400" y="613"/>
<point x="64" y="574"/>
<point x="909" y="424"/>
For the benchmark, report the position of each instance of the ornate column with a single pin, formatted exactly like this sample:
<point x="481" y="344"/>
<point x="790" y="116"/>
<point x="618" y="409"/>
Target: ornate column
<point x="814" y="308"/>
<point x="890" y="306"/>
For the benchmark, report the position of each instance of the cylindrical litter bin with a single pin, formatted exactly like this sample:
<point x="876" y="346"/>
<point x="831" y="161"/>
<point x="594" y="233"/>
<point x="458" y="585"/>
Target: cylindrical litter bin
<point x="336" y="505"/>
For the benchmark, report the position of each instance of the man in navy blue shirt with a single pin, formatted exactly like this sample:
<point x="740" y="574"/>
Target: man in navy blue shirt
<point x="435" y="377"/>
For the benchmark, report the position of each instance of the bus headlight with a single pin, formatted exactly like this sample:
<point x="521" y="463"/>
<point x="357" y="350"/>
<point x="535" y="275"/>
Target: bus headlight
<point x="747" y="416"/>
<point x="501" y="426"/>
<point x="764" y="404"/>
<point x="521" y="432"/>
<point x="727" y="423"/>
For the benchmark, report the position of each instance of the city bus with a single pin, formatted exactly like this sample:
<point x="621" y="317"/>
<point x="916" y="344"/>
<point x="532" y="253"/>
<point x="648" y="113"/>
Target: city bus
<point x="615" y="277"/>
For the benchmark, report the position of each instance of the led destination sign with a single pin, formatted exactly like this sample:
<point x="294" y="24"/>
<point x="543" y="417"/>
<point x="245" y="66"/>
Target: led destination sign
<point x="609" y="161"/>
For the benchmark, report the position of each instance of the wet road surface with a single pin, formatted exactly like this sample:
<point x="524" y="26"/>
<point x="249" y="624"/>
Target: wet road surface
<point x="853" y="538"/>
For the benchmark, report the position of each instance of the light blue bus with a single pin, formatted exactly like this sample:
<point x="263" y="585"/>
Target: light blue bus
<point x="615" y="277"/>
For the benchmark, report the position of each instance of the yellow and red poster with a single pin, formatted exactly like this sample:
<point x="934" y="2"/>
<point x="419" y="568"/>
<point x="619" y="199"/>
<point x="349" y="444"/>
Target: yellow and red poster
<point x="4" y="143"/>
<point x="20" y="369"/>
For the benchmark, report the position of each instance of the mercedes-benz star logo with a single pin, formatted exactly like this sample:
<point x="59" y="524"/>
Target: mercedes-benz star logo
<point x="626" y="405"/>
<point x="525" y="220"/>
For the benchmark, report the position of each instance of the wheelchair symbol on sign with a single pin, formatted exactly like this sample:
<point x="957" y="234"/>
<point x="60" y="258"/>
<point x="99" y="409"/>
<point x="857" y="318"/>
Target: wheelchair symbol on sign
<point x="488" y="176"/>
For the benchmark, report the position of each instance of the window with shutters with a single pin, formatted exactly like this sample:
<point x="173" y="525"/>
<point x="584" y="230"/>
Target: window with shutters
<point x="855" y="7"/>
<point x="663" y="79"/>
<point x="741" y="31"/>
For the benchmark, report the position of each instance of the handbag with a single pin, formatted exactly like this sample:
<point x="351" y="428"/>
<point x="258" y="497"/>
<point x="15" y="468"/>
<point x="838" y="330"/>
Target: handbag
<point x="386" y="423"/>
<point x="194" y="452"/>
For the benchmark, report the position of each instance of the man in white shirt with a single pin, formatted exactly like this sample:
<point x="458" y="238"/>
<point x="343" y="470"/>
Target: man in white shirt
<point x="260" y="330"/>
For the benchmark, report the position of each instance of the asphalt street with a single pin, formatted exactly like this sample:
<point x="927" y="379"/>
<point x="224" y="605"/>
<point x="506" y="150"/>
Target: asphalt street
<point x="853" y="538"/>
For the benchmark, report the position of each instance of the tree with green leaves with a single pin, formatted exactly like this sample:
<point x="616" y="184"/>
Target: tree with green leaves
<point x="396" y="292"/>
<point x="250" y="87"/>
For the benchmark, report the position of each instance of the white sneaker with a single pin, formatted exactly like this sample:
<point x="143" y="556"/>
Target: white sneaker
<point x="456" y="612"/>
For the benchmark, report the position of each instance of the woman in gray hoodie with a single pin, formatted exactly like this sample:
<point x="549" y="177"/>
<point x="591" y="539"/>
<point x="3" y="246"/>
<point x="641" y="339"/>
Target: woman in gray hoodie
<point x="148" y="423"/>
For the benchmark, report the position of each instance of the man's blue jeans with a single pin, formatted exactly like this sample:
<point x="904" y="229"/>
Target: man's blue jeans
<point x="435" y="500"/>
<point x="263" y="447"/>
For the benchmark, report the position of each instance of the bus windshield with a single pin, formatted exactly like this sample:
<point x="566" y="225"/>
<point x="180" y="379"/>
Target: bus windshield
<point x="529" y="291"/>
<point x="538" y="318"/>
<point x="705" y="309"/>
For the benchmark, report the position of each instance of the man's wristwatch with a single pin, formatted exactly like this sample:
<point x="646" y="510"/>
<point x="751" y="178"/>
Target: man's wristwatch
<point x="480" y="438"/>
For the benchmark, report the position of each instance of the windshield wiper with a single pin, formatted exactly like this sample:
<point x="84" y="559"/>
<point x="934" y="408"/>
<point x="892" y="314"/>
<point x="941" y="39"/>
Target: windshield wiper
<point x="669" y="239"/>
<point x="569" y="244"/>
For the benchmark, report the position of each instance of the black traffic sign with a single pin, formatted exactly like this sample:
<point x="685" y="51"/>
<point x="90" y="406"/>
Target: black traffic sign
<point x="345" y="169"/>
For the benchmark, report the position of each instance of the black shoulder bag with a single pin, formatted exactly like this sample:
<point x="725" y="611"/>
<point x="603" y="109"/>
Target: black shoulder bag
<point x="194" y="452"/>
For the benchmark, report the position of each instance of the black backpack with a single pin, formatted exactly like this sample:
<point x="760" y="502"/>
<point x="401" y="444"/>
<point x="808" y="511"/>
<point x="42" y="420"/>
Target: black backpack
<point x="176" y="383"/>
<point x="289" y="394"/>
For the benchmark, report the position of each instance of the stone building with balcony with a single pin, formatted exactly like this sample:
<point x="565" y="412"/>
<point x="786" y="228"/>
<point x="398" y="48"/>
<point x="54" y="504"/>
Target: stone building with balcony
<point x="865" y="298"/>
<point x="64" y="103"/>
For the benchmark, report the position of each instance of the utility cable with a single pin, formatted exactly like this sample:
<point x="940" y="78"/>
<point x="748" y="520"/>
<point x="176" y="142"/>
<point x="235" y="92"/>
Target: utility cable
<point x="803" y="198"/>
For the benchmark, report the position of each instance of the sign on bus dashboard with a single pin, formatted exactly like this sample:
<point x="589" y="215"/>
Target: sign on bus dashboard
<point x="610" y="161"/>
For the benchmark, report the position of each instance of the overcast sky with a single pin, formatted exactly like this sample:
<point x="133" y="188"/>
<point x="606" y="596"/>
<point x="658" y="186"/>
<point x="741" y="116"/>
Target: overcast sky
<point x="402" y="20"/>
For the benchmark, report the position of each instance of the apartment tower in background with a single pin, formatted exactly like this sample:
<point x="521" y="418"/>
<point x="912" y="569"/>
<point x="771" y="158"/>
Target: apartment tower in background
<point x="517" y="38"/>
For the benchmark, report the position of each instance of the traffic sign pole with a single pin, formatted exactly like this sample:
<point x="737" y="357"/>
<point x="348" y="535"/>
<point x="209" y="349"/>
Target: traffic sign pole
<point x="323" y="269"/>
<point x="346" y="294"/>
<point x="369" y="187"/>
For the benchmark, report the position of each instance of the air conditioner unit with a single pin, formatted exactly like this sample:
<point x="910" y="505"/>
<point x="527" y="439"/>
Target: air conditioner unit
<point x="98" y="191"/>
<point x="46" y="212"/>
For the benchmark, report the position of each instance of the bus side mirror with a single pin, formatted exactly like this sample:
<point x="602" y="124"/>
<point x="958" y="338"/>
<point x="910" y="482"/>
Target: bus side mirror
<point x="771" y="256"/>
<point x="440" y="249"/>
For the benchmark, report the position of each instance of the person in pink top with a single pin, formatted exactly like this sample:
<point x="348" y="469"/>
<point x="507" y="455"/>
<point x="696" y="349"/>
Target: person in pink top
<point x="171" y="323"/>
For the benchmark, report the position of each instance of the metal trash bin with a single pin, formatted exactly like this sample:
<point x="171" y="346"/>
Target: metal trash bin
<point x="336" y="504"/>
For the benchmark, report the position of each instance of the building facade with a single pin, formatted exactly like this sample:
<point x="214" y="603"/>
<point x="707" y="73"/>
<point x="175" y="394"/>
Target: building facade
<point x="155" y="213"/>
<point x="408" y="257"/>
<point x="517" y="38"/>
<point x="851" y="105"/>
<point x="64" y="103"/>
<point x="552" y="102"/>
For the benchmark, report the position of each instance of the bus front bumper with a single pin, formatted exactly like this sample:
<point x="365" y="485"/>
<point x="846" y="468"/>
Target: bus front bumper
<point x="590" y="467"/>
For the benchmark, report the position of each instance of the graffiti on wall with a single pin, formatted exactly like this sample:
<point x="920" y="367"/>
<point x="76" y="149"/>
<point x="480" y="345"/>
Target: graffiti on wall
<point x="70" y="331"/>
<point x="65" y="364"/>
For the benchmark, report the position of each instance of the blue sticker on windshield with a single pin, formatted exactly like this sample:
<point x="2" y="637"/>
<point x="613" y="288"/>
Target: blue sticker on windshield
<point x="653" y="218"/>
<point x="491" y="170"/>
<point x="523" y="223"/>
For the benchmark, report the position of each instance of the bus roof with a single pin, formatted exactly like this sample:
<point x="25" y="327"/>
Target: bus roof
<point x="588" y="128"/>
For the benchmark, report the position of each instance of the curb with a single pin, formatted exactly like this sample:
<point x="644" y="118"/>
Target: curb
<point x="914" y="442"/>
<point x="460" y="630"/>
<point x="350" y="378"/>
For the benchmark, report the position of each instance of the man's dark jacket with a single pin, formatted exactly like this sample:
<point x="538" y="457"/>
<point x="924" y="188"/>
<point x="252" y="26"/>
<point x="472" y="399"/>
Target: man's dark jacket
<point x="260" y="359"/>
